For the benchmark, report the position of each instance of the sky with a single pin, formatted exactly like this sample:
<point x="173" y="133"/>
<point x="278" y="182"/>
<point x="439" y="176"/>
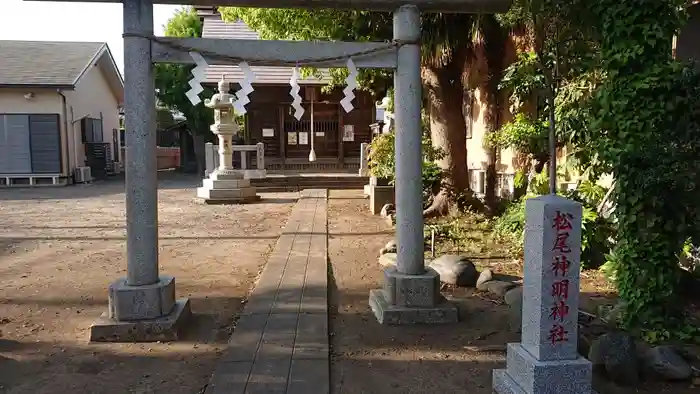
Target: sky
<point x="61" y="21"/>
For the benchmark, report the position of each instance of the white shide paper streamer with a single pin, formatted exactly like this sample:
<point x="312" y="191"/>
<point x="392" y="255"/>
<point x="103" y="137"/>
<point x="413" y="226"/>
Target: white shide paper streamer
<point x="246" y="88"/>
<point x="296" y="103"/>
<point x="351" y="82"/>
<point x="197" y="78"/>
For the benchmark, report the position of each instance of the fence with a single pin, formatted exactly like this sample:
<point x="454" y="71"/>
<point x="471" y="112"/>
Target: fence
<point x="240" y="155"/>
<point x="167" y="158"/>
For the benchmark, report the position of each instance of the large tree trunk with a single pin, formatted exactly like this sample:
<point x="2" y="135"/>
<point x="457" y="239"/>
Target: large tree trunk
<point x="448" y="133"/>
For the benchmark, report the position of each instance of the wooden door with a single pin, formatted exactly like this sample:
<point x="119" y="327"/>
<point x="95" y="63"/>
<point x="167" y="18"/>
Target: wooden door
<point x="298" y="132"/>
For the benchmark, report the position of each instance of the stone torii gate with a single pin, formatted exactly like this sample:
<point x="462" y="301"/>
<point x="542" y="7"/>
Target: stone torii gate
<point x="142" y="306"/>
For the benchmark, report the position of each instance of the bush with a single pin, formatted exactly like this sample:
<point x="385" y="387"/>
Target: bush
<point x="382" y="163"/>
<point x="596" y="231"/>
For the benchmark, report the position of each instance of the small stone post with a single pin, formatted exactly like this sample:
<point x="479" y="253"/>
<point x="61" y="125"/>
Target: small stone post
<point x="547" y="360"/>
<point x="209" y="158"/>
<point x="142" y="306"/>
<point x="225" y="185"/>
<point x="411" y="294"/>
<point x="364" y="161"/>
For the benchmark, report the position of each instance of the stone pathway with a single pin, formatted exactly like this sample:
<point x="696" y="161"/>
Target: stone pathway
<point x="280" y="343"/>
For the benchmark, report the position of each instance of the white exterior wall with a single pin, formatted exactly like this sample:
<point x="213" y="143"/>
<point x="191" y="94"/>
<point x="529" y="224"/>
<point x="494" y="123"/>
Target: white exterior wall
<point x="92" y="98"/>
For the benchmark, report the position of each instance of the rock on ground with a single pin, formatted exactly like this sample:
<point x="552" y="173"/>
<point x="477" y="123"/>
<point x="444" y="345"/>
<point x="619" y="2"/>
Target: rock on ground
<point x="390" y="247"/>
<point x="616" y="353"/>
<point x="498" y="288"/>
<point x="455" y="270"/>
<point x="485" y="276"/>
<point x="387" y="210"/>
<point x="514" y="299"/>
<point x="387" y="259"/>
<point x="665" y="362"/>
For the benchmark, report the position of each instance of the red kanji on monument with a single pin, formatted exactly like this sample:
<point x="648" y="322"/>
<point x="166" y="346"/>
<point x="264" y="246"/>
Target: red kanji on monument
<point x="560" y="289"/>
<point x="558" y="334"/>
<point x="563" y="221"/>
<point x="559" y="311"/>
<point x="560" y="265"/>
<point x="560" y="244"/>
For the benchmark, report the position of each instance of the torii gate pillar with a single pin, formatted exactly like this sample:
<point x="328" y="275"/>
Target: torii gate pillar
<point x="142" y="306"/>
<point x="411" y="294"/>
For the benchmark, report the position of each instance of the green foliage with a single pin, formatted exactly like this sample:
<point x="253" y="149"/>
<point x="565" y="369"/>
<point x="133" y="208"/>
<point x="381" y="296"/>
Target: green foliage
<point x="382" y="164"/>
<point x="522" y="134"/>
<point x="596" y="231"/>
<point x="647" y="130"/>
<point x="172" y="79"/>
<point x="321" y="24"/>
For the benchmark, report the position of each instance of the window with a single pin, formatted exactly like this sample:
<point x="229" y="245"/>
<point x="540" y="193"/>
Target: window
<point x="91" y="130"/>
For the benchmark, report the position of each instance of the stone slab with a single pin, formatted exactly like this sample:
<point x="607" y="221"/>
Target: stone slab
<point x="305" y="375"/>
<point x="280" y="342"/>
<point x="166" y="328"/>
<point x="380" y="196"/>
<point x="223" y="194"/>
<point x="443" y="312"/>
<point x="412" y="290"/>
<point x="225" y="184"/>
<point x="254" y="174"/>
<point x="214" y="201"/>
<point x="127" y="303"/>
<point x="229" y="378"/>
<point x="231" y="175"/>
<point x="525" y="374"/>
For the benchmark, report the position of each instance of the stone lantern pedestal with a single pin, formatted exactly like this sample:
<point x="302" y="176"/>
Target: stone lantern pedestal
<point x="225" y="185"/>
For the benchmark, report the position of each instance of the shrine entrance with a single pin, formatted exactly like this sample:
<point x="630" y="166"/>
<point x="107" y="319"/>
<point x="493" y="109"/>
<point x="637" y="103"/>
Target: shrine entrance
<point x="326" y="128"/>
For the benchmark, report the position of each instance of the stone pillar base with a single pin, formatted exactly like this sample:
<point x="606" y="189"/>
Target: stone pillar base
<point x="411" y="299"/>
<point x="526" y="375"/>
<point x="145" y="313"/>
<point x="380" y="196"/>
<point x="226" y="189"/>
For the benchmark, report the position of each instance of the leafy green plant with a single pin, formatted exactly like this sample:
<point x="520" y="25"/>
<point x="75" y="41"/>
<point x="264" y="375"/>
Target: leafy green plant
<point x="646" y="129"/>
<point x="596" y="231"/>
<point x="522" y="134"/>
<point x="382" y="164"/>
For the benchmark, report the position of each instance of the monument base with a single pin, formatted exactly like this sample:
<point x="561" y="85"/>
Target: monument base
<point x="443" y="312"/>
<point x="165" y="328"/>
<point x="380" y="196"/>
<point x="527" y="375"/>
<point x="229" y="188"/>
<point x="411" y="299"/>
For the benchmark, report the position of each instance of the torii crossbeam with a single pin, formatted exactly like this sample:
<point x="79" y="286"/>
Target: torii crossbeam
<point x="142" y="306"/>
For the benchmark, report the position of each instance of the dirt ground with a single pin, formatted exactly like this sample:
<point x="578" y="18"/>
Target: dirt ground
<point x="60" y="248"/>
<point x="369" y="358"/>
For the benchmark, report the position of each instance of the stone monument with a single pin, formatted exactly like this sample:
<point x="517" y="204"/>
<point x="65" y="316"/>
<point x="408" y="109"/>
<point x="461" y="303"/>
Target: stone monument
<point x="547" y="360"/>
<point x="225" y="185"/>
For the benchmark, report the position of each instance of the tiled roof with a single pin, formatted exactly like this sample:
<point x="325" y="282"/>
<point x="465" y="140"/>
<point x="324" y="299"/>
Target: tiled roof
<point x="214" y="27"/>
<point x="45" y="63"/>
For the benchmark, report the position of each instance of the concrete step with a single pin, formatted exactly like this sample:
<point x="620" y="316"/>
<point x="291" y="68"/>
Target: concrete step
<point x="296" y="182"/>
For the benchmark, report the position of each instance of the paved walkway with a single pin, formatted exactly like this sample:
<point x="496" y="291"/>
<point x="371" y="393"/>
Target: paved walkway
<point x="280" y="342"/>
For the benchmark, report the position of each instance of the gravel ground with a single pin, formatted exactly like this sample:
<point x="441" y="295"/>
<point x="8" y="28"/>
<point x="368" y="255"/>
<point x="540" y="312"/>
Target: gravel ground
<point x="60" y="248"/>
<point x="372" y="359"/>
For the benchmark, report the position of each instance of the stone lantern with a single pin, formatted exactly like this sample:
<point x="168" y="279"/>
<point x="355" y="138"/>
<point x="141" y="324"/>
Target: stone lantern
<point x="225" y="184"/>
